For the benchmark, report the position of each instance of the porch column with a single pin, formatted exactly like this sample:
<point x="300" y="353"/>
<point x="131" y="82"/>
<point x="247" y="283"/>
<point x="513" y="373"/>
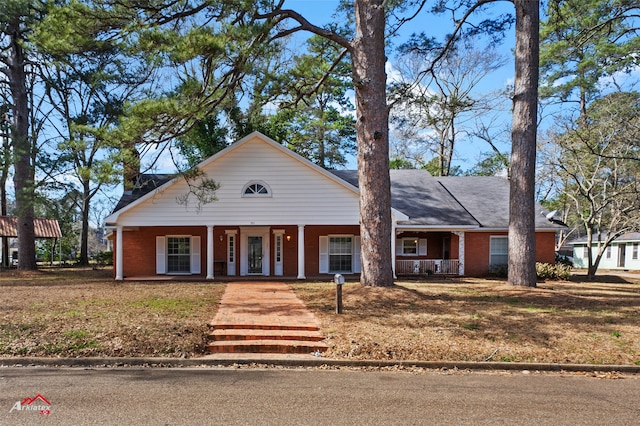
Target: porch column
<point x="301" y="275"/>
<point x="209" y="252"/>
<point x="460" y="252"/>
<point x="393" y="248"/>
<point x="119" y="256"/>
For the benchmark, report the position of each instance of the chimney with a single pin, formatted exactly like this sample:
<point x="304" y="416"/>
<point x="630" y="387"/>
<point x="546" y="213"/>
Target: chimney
<point x="131" y="169"/>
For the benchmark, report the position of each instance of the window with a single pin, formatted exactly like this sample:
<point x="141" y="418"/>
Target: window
<point x="256" y="189"/>
<point x="178" y="255"/>
<point x="278" y="248"/>
<point x="608" y="252"/>
<point x="585" y="252"/>
<point x="231" y="251"/>
<point x="499" y="251"/>
<point x="634" y="252"/>
<point x="410" y="246"/>
<point x="340" y="254"/>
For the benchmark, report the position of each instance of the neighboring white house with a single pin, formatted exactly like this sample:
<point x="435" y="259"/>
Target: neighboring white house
<point x="622" y="253"/>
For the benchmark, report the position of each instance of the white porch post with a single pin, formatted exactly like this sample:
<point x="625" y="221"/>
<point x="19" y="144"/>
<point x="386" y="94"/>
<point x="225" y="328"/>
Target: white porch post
<point x="119" y="256"/>
<point x="393" y="248"/>
<point x="460" y="252"/>
<point x="301" y="273"/>
<point x="209" y="252"/>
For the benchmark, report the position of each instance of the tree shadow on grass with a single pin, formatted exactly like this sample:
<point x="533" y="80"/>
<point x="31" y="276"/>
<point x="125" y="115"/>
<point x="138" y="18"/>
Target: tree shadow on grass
<point x="493" y="312"/>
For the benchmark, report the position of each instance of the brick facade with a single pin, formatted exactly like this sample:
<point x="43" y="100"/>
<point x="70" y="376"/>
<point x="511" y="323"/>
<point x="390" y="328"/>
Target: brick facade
<point x="140" y="247"/>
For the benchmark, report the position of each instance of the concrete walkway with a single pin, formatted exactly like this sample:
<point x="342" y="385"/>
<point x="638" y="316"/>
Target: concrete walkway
<point x="264" y="317"/>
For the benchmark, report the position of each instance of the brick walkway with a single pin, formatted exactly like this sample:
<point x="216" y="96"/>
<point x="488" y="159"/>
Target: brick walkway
<point x="264" y="317"/>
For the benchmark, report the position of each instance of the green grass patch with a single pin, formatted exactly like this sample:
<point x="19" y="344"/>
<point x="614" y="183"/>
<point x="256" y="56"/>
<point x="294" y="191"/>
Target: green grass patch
<point x="78" y="346"/>
<point x="538" y="310"/>
<point x="76" y="334"/>
<point x="13" y="331"/>
<point x="470" y="326"/>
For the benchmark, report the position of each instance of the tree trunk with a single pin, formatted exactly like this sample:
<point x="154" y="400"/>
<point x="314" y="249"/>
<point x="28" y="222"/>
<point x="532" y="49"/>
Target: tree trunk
<point x="372" y="130"/>
<point x="23" y="169"/>
<point x="84" y="232"/>
<point x="4" y="175"/>
<point x="522" y="239"/>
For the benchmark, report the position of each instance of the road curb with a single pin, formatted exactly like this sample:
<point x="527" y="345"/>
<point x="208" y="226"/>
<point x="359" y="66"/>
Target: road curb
<point x="307" y="362"/>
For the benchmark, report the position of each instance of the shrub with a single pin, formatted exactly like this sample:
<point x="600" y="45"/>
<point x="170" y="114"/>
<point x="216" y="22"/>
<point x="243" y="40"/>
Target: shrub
<point x="104" y="258"/>
<point x="500" y="271"/>
<point x="547" y="271"/>
<point x="544" y="271"/>
<point x="564" y="260"/>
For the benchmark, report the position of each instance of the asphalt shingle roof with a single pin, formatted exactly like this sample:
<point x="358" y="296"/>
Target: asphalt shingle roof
<point x="450" y="201"/>
<point x="146" y="183"/>
<point x="421" y="197"/>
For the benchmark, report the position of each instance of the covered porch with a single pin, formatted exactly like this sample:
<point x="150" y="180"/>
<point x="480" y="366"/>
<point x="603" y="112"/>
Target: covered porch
<point x="428" y="252"/>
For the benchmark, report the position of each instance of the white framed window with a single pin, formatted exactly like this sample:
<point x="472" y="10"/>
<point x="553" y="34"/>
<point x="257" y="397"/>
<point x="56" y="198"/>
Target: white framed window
<point x="585" y="252"/>
<point x="178" y="255"/>
<point x="409" y="246"/>
<point x="256" y="189"/>
<point x="231" y="248"/>
<point x="608" y="255"/>
<point x="340" y="254"/>
<point x="278" y="239"/>
<point x="498" y="251"/>
<point x="634" y="251"/>
<point x="278" y="249"/>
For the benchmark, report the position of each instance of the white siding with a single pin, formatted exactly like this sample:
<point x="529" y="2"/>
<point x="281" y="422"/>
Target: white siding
<point x="299" y="194"/>
<point x="581" y="261"/>
<point x="632" y="263"/>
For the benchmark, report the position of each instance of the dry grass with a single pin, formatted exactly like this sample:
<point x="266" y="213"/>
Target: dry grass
<point x="482" y="320"/>
<point x="85" y="313"/>
<point x="72" y="313"/>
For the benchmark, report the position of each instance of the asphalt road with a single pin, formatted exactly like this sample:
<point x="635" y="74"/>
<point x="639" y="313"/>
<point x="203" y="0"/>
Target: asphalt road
<point x="221" y="396"/>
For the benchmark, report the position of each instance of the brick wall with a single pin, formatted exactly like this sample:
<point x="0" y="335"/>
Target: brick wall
<point x="139" y="246"/>
<point x="477" y="250"/>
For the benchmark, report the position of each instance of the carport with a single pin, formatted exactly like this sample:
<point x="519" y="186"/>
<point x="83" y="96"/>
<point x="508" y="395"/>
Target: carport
<point x="43" y="228"/>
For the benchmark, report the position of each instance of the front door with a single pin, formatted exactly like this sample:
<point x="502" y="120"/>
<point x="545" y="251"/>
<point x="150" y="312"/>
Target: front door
<point x="622" y="254"/>
<point x="255" y="255"/>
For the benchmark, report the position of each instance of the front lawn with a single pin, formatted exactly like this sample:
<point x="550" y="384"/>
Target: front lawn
<point x="75" y="312"/>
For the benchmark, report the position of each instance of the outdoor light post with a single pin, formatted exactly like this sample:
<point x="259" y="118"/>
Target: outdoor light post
<point x="339" y="280"/>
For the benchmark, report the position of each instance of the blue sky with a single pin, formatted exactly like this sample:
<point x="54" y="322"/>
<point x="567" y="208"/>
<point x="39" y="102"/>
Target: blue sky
<point x="321" y="12"/>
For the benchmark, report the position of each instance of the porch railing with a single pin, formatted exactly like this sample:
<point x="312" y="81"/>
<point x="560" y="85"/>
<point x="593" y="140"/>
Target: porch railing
<point x="428" y="266"/>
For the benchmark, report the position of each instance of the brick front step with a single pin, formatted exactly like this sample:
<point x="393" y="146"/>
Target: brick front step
<point x="267" y="346"/>
<point x="264" y="334"/>
<point x="262" y="327"/>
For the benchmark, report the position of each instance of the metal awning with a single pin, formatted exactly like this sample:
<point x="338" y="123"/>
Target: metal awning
<point x="44" y="228"/>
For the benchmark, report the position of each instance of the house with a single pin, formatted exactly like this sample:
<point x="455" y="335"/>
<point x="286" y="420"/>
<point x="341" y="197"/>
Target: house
<point x="622" y="253"/>
<point x="279" y="215"/>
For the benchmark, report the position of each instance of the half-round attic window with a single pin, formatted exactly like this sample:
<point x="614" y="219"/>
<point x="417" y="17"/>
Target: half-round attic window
<point x="256" y="189"/>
